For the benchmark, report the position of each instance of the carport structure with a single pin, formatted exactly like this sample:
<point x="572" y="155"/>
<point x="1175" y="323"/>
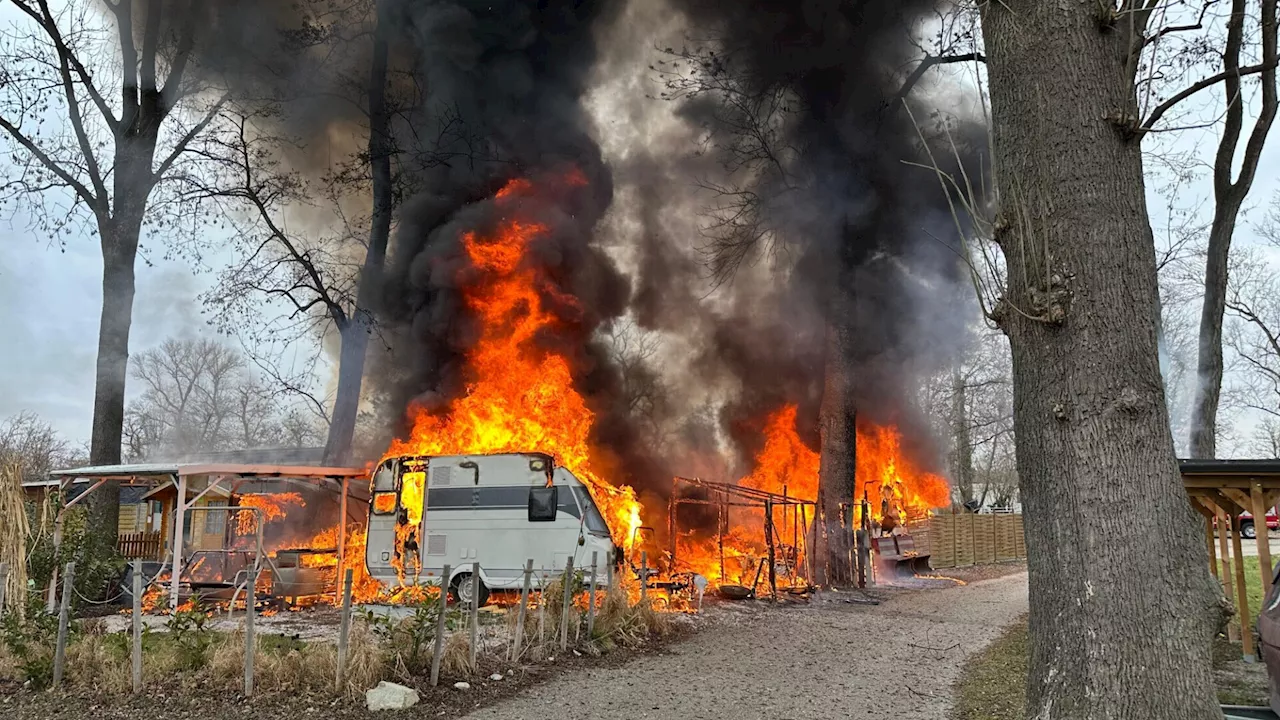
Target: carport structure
<point x="1221" y="490"/>
<point x="192" y="481"/>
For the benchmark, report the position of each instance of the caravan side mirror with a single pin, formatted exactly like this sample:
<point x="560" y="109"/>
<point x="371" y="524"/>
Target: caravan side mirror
<point x="543" y="503"/>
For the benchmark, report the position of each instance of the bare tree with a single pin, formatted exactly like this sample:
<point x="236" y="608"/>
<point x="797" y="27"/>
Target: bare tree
<point x="34" y="446"/>
<point x="1252" y="335"/>
<point x="87" y="155"/>
<point x="1230" y="188"/>
<point x="199" y="395"/>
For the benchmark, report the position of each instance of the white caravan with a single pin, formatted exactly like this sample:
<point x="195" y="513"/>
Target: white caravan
<point x="495" y="511"/>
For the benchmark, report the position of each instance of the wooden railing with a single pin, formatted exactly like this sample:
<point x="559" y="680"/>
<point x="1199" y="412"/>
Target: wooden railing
<point x="142" y="545"/>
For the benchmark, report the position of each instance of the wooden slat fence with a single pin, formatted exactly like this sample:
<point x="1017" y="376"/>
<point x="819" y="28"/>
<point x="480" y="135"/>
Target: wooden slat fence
<point x="140" y="545"/>
<point x="965" y="539"/>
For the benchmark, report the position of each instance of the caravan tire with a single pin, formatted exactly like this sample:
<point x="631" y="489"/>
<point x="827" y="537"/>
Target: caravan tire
<point x="460" y="590"/>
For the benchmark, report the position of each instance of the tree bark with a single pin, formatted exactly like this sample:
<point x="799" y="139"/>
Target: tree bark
<point x="837" y="477"/>
<point x="1122" y="602"/>
<point x="355" y="337"/>
<point x="1204" y="410"/>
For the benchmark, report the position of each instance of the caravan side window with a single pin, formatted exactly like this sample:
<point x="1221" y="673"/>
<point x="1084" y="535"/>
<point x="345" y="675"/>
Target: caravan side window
<point x="384" y="489"/>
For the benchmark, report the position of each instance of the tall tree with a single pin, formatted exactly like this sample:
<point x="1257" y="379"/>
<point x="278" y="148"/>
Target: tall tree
<point x="1081" y="312"/>
<point x="1230" y="188"/>
<point x="107" y="159"/>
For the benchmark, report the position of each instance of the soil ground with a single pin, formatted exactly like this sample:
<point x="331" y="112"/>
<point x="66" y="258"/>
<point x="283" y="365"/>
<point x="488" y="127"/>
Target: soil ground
<point x="832" y="658"/>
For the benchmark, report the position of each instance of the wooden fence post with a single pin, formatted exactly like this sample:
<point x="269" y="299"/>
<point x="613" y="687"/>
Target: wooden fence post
<point x="137" y="626"/>
<point x="440" y="618"/>
<point x="344" y="630"/>
<point x="524" y="611"/>
<point x="564" y="610"/>
<point x="64" y="619"/>
<point x="542" y="615"/>
<point x="591" y="599"/>
<point x="475" y="611"/>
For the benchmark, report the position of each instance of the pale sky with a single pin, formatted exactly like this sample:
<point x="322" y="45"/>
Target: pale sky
<point x="50" y="300"/>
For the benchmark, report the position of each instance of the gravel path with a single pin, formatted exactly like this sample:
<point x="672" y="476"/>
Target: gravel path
<point x="830" y="660"/>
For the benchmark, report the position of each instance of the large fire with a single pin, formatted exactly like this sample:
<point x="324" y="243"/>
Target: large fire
<point x="786" y="466"/>
<point x="519" y="397"/>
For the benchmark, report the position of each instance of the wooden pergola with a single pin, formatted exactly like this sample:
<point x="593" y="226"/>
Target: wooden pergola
<point x="1221" y="490"/>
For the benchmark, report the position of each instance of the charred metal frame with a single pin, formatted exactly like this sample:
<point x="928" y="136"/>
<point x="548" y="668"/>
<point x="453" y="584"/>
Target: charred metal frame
<point x="177" y="474"/>
<point x="724" y="496"/>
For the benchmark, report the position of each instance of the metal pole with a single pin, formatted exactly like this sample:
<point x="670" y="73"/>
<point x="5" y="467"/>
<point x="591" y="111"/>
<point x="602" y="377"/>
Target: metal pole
<point x="344" y="629"/>
<point x="179" y="526"/>
<point x="524" y="611"/>
<point x="51" y="596"/>
<point x="720" y="521"/>
<point x="475" y="610"/>
<point x="250" y="645"/>
<point x="64" y="619"/>
<point x="591" y="599"/>
<point x="768" y="537"/>
<point x="672" y="506"/>
<point x="644" y="575"/>
<point x="440" y="617"/>
<point x="564" y="610"/>
<point x="137" y="626"/>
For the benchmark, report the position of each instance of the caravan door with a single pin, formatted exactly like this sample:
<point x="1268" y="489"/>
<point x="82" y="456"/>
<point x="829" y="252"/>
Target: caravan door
<point x="383" y="506"/>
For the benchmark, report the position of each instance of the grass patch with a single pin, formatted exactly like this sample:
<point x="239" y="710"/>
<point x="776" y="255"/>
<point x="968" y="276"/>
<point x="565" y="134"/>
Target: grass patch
<point x="993" y="683"/>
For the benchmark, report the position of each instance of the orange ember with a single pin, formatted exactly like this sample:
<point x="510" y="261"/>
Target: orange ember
<point x="272" y="507"/>
<point x="520" y="397"/>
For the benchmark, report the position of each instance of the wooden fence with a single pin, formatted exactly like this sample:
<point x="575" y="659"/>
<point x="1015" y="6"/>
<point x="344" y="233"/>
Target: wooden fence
<point x="966" y="539"/>
<point x="140" y="545"/>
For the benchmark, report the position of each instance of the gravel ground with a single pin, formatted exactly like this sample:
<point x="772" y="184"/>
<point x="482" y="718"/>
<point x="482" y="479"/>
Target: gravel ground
<point x="831" y="660"/>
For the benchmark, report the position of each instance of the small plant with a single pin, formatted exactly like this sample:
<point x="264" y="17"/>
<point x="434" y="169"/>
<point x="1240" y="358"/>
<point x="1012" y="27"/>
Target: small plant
<point x="409" y="639"/>
<point x="187" y="630"/>
<point x="31" y="642"/>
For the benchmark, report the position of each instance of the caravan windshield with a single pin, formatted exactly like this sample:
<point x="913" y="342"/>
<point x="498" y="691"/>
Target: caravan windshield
<point x="591" y="516"/>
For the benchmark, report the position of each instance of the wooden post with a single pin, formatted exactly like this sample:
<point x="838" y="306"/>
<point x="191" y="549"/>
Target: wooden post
<point x="524" y="611"/>
<point x="644" y="575"/>
<point x="440" y="617"/>
<point x="1228" y="586"/>
<point x="4" y="583"/>
<point x="475" y="611"/>
<point x="720" y="513"/>
<point x="672" y="508"/>
<point x="344" y="629"/>
<point x="1208" y="539"/>
<point x="342" y="524"/>
<point x="64" y="619"/>
<point x="564" y="610"/>
<point x="542" y="614"/>
<point x="591" y="598"/>
<point x="179" y="524"/>
<point x="1242" y="592"/>
<point x="1263" y="532"/>
<point x="137" y="626"/>
<point x="250" y="642"/>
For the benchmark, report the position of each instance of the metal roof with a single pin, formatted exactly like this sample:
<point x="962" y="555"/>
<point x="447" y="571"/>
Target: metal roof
<point x="224" y="469"/>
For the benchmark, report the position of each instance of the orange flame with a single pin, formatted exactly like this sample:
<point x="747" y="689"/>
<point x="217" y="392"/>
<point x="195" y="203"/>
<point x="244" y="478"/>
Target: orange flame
<point x="272" y="506"/>
<point x="520" y="397"/>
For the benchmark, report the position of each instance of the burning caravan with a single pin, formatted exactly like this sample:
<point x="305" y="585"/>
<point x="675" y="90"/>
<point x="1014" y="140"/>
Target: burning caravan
<point x="495" y="511"/>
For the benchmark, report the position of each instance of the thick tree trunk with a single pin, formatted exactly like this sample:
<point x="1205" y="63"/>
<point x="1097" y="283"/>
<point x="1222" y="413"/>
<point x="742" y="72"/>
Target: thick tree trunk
<point x="1204" y="409"/>
<point x="355" y="337"/>
<point x="837" y="462"/>
<point x="963" y="451"/>
<point x="1122" y="603"/>
<point x="119" y="250"/>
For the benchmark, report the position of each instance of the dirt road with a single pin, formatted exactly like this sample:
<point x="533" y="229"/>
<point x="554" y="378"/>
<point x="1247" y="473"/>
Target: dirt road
<point x="832" y="660"/>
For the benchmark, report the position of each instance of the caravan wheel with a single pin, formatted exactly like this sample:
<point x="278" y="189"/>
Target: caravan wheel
<point x="461" y="588"/>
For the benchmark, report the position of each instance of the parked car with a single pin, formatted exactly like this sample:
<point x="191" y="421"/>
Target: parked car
<point x="1246" y="523"/>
